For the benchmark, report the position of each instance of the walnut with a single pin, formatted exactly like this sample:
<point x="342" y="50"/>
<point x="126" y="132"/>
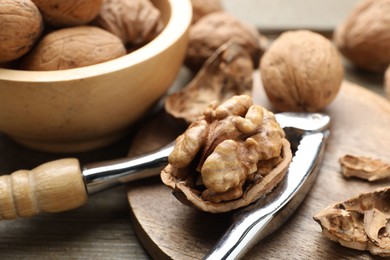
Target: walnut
<point x="387" y="83"/>
<point x="72" y="48"/>
<point x="201" y="8"/>
<point x="301" y="71"/>
<point x="360" y="223"/>
<point x="134" y="21"/>
<point x="21" y="26"/>
<point x="364" y="167"/>
<point x="226" y="73"/>
<point x="364" y="37"/>
<point x="216" y="28"/>
<point x="60" y="13"/>
<point x="231" y="156"/>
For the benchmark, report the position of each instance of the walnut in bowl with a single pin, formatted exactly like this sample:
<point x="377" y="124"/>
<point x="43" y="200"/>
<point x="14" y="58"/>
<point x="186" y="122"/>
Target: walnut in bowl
<point x="79" y="109"/>
<point x="230" y="157"/>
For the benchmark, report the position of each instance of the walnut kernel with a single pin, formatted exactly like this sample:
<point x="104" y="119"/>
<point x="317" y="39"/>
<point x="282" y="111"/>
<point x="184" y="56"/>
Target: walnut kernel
<point x="231" y="156"/>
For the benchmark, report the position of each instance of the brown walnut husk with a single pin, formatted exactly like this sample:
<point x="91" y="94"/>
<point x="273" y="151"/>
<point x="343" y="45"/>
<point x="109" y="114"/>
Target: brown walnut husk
<point x="201" y="8"/>
<point x="230" y="157"/>
<point x="217" y="28"/>
<point x="136" y="22"/>
<point x="63" y="13"/>
<point x="360" y="223"/>
<point x="21" y="26"/>
<point x="301" y="71"/>
<point x="72" y="48"/>
<point x="226" y="73"/>
<point x="364" y="37"/>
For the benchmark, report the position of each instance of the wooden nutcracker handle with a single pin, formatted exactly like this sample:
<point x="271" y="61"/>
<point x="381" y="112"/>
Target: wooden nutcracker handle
<point x="51" y="187"/>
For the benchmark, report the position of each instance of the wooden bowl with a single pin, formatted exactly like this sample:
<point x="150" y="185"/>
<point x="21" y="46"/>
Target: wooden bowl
<point x="85" y="108"/>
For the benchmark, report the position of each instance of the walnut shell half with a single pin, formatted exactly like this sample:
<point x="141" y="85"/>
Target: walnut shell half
<point x="364" y="37"/>
<point x="230" y="157"/>
<point x="364" y="167"/>
<point x="226" y="73"/>
<point x="360" y="223"/>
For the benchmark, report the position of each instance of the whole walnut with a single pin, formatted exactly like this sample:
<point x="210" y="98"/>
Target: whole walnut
<point x="201" y="8"/>
<point x="73" y="47"/>
<point x="60" y="13"/>
<point x="134" y="21"/>
<point x="21" y="26"/>
<point x="301" y="71"/>
<point x="364" y="37"/>
<point x="215" y="29"/>
<point x="387" y="82"/>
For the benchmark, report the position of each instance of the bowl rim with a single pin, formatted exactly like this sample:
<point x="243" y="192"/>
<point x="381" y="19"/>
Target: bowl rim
<point x="177" y="24"/>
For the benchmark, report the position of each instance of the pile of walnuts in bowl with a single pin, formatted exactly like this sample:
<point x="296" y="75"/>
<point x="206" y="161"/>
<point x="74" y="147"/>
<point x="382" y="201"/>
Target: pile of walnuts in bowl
<point x="42" y="35"/>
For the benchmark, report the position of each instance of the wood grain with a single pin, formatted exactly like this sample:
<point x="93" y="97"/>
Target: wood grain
<point x="168" y="229"/>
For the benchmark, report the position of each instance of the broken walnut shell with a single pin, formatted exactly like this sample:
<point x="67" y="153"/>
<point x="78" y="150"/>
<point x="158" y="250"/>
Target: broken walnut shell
<point x="364" y="167"/>
<point x="301" y="71"/>
<point x="226" y="73"/>
<point x="360" y="223"/>
<point x="364" y="37"/>
<point x="230" y="157"/>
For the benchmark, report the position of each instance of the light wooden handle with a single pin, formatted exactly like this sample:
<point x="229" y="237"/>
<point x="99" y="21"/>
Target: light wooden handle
<point x="51" y="187"/>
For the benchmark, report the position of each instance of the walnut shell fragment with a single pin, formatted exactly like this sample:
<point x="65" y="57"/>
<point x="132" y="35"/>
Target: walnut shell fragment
<point x="134" y="21"/>
<point x="230" y="157"/>
<point x="73" y="47"/>
<point x="364" y="37"/>
<point x="217" y="28"/>
<point x="301" y="71"/>
<point x="360" y="223"/>
<point x="226" y="73"/>
<point x="364" y="168"/>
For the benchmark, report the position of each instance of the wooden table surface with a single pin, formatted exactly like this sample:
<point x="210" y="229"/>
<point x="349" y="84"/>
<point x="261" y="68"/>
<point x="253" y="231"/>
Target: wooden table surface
<point x="102" y="228"/>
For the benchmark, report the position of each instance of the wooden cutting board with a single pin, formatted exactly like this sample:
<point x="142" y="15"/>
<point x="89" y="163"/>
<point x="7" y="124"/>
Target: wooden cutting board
<point x="168" y="229"/>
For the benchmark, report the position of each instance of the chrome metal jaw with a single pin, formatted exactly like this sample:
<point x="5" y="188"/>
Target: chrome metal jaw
<point x="308" y="133"/>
